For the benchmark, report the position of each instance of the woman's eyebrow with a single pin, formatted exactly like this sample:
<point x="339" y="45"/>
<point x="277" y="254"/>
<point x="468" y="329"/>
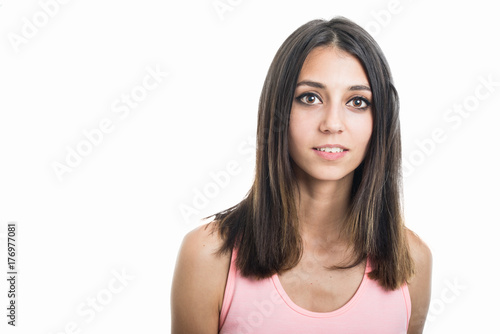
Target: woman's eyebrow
<point x="321" y="86"/>
<point x="360" y="87"/>
<point x="311" y="83"/>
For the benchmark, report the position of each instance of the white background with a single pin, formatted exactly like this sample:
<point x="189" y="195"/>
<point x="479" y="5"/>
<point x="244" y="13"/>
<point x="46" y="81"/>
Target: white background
<point x="119" y="209"/>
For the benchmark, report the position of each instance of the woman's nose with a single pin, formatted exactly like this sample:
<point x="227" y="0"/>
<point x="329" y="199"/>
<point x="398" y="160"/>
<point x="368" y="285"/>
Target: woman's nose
<point x="333" y="120"/>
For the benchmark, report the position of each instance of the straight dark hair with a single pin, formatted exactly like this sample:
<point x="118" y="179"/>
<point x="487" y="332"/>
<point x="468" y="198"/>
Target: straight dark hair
<point x="264" y="225"/>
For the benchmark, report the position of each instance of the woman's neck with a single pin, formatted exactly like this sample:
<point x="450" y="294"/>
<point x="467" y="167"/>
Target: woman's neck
<point x="323" y="207"/>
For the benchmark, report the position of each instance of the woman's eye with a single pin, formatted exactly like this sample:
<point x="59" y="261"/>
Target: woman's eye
<point x="309" y="98"/>
<point x="359" y="102"/>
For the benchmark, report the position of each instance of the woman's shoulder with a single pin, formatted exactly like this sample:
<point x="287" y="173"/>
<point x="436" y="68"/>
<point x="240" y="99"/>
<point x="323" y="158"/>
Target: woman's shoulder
<point x="420" y="284"/>
<point x="199" y="280"/>
<point x="199" y="252"/>
<point x="419" y="250"/>
<point x="422" y="258"/>
<point x="200" y="247"/>
<point x="202" y="243"/>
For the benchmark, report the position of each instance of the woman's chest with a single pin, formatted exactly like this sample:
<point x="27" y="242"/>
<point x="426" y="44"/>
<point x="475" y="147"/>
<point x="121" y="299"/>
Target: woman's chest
<point x="314" y="288"/>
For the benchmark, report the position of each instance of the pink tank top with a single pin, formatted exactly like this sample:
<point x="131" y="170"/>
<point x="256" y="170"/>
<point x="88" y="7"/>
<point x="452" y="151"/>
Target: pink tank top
<point x="262" y="306"/>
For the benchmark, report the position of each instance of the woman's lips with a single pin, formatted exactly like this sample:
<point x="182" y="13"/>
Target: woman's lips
<point x="331" y="152"/>
<point x="331" y="146"/>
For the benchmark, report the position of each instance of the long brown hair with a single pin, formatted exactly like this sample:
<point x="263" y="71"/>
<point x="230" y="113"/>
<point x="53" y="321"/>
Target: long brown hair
<point x="264" y="225"/>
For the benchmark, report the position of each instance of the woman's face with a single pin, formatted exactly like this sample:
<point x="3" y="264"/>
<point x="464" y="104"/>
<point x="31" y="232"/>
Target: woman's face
<point x="331" y="110"/>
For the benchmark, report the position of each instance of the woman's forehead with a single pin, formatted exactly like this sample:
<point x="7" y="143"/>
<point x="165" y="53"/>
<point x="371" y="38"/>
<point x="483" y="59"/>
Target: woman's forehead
<point x="332" y="67"/>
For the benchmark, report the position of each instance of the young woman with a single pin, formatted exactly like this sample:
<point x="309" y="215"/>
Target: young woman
<point x="319" y="244"/>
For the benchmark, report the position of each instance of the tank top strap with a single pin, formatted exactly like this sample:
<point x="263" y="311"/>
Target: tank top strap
<point x="229" y="290"/>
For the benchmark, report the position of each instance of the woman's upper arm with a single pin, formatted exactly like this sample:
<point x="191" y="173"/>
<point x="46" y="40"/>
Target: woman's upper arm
<point x="198" y="283"/>
<point x="420" y="286"/>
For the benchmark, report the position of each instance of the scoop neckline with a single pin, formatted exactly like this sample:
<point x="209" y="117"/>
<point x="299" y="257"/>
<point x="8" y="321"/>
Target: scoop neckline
<point x="344" y="308"/>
